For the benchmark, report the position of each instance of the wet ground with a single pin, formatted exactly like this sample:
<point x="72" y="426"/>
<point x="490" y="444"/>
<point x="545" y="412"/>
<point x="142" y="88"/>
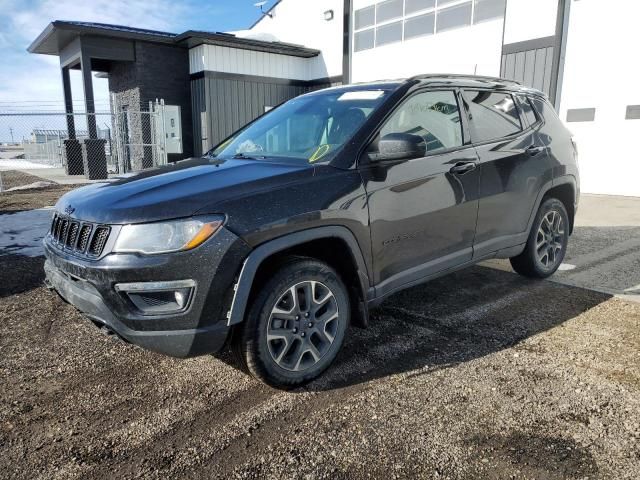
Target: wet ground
<point x="480" y="374"/>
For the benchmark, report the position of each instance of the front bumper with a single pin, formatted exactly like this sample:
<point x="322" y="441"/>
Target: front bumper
<point x="200" y="329"/>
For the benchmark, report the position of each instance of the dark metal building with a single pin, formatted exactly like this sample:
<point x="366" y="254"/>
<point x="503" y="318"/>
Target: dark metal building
<point x="145" y="65"/>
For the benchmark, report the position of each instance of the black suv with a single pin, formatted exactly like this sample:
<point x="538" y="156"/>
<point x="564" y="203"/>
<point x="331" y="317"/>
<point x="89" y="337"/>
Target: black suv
<point x="299" y="223"/>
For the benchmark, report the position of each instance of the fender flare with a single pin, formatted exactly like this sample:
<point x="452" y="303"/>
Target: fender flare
<point x="556" y="182"/>
<point x="242" y="287"/>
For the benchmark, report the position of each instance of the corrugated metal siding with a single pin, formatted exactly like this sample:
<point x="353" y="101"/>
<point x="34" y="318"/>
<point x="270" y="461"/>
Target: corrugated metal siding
<point x="529" y="67"/>
<point x="198" y="116"/>
<point x="248" y="62"/>
<point x="221" y="105"/>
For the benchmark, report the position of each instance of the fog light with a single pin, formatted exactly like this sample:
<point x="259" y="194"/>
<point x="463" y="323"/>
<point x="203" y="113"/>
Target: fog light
<point x="156" y="298"/>
<point x="181" y="298"/>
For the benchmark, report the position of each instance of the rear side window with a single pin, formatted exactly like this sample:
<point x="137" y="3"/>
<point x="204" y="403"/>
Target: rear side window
<point x="545" y="110"/>
<point x="528" y="112"/>
<point x="493" y="114"/>
<point x="432" y="115"/>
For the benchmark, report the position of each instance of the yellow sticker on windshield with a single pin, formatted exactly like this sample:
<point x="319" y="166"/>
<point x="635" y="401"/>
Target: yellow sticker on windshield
<point x="319" y="153"/>
<point x="224" y="144"/>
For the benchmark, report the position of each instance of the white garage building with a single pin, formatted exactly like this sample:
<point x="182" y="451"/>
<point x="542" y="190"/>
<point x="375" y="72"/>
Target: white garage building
<point x="580" y="52"/>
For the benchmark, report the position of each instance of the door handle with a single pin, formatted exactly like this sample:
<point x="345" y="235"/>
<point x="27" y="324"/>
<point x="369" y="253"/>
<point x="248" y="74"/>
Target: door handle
<point x="535" y="150"/>
<point x="461" y="168"/>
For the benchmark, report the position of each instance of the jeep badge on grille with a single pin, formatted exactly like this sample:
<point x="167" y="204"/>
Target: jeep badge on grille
<point x="69" y="210"/>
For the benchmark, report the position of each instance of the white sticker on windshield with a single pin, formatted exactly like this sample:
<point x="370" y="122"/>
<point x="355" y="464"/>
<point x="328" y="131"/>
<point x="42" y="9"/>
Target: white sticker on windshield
<point x="361" y="95"/>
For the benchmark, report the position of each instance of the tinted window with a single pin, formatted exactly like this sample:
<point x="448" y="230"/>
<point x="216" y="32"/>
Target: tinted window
<point x="488" y="10"/>
<point x="545" y="110"/>
<point x="418" y="26"/>
<point x="454" y="17"/>
<point x="364" y="17"/>
<point x="493" y="114"/>
<point x="389" y="33"/>
<point x="411" y="6"/>
<point x="432" y="115"/>
<point x="527" y="110"/>
<point x="363" y="40"/>
<point x="388" y="10"/>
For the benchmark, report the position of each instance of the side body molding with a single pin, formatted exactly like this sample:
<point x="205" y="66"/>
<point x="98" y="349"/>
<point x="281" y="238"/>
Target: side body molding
<point x="251" y="264"/>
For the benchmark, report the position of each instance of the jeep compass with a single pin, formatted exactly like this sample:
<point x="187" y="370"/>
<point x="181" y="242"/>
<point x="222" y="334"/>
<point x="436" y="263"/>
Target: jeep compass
<point x="291" y="229"/>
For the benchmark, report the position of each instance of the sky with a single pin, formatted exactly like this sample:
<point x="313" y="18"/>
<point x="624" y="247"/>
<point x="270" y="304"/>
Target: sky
<point x="29" y="81"/>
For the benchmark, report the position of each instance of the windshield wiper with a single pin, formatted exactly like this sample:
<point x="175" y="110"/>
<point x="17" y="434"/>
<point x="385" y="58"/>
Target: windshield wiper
<point x="244" y="156"/>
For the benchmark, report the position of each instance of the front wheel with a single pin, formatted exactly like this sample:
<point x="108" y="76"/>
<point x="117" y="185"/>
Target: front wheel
<point x="296" y="324"/>
<point x="547" y="242"/>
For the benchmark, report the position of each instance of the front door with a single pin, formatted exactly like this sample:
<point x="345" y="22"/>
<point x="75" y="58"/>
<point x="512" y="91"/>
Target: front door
<point x="422" y="211"/>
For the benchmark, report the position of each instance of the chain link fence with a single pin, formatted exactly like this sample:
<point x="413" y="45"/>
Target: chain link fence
<point x="80" y="144"/>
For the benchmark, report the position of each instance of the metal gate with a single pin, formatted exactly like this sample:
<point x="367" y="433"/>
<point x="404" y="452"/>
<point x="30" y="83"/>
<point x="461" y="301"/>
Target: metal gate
<point x="140" y="137"/>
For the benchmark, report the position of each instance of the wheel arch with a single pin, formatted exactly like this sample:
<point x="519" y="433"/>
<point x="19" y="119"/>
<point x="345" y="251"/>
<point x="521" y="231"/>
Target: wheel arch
<point x="321" y="243"/>
<point x="566" y="186"/>
<point x="566" y="193"/>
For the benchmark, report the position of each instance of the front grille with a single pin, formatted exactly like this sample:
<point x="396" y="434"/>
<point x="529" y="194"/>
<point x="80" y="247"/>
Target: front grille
<point x="64" y="230"/>
<point x="85" y="235"/>
<point x="79" y="237"/>
<point x="98" y="241"/>
<point x="72" y="236"/>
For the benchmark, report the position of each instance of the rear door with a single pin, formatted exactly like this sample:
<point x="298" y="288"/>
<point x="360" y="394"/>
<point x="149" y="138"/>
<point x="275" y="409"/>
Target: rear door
<point x="513" y="168"/>
<point x="423" y="210"/>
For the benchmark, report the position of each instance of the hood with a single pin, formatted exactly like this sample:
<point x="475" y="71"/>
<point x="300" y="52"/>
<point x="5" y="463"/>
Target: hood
<point x="179" y="190"/>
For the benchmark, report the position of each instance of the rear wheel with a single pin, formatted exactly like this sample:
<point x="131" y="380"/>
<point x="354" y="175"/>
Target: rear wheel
<point x="296" y="324"/>
<point x="547" y="242"/>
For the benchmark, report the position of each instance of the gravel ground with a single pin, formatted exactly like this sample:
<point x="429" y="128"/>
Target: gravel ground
<point x="481" y="374"/>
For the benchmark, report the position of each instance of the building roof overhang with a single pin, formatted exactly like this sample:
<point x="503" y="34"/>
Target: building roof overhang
<point x="59" y="34"/>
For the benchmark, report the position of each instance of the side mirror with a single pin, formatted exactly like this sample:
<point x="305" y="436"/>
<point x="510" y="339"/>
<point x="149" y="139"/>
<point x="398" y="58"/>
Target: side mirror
<point x="399" y="146"/>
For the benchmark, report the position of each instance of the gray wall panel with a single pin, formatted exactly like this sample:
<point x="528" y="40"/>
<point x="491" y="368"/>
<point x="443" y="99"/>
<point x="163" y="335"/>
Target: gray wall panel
<point x="538" y="74"/>
<point x="519" y="73"/>
<point x="530" y="67"/>
<point x="509" y="66"/>
<point x="230" y="103"/>
<point x="548" y="66"/>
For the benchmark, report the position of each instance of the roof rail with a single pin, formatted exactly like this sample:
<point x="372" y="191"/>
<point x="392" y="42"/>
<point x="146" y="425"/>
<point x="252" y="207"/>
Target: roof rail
<point x="425" y="76"/>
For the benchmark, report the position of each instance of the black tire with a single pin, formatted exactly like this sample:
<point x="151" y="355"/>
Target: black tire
<point x="275" y="361"/>
<point x="529" y="263"/>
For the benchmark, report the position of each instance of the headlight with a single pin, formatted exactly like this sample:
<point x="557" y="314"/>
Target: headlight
<point x="163" y="237"/>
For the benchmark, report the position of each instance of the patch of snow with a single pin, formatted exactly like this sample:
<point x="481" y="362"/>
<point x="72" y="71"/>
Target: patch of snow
<point x="30" y="186"/>
<point x="252" y="35"/>
<point x="566" y="266"/>
<point x="18" y="164"/>
<point x="21" y="233"/>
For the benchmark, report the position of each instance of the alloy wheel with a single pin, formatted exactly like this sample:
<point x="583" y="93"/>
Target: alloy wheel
<point x="302" y="325"/>
<point x="550" y="239"/>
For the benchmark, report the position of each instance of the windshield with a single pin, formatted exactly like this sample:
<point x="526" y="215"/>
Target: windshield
<point x="308" y="128"/>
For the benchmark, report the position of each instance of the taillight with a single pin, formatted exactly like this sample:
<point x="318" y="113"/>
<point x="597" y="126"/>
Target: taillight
<point x="575" y="149"/>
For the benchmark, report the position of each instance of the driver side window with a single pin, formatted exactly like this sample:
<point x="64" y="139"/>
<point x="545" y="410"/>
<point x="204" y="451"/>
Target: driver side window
<point x="434" y="116"/>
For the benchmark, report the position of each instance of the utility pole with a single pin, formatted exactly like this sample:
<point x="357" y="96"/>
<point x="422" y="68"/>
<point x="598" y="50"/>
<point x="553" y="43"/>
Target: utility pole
<point x="11" y="132"/>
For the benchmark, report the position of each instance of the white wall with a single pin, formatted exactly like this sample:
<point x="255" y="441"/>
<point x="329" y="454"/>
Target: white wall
<point x="474" y="49"/>
<point x="302" y="22"/>
<point x="248" y="62"/>
<point x="529" y="19"/>
<point x="601" y="71"/>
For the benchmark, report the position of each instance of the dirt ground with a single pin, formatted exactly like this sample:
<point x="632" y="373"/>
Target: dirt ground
<point x="31" y="198"/>
<point x="480" y="374"/>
